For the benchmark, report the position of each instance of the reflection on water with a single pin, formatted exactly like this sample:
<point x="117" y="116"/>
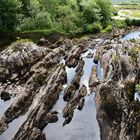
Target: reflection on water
<point x="4" y="105"/>
<point x="134" y="35"/>
<point x="84" y="125"/>
<point x="12" y="128"/>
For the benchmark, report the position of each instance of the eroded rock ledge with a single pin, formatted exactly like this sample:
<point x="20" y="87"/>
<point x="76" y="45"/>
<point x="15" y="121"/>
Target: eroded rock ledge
<point x="32" y="78"/>
<point x="118" y="112"/>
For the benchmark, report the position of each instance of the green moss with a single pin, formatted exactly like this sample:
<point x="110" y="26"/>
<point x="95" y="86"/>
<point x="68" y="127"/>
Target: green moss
<point x="129" y="86"/>
<point x="133" y="53"/>
<point x="107" y="29"/>
<point x="19" y="40"/>
<point x="138" y="88"/>
<point x="129" y="89"/>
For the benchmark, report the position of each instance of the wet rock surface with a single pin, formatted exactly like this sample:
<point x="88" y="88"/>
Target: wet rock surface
<point x="32" y="81"/>
<point x="5" y="96"/>
<point x="117" y="109"/>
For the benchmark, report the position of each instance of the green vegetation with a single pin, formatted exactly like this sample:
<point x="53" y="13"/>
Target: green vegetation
<point x="130" y="22"/>
<point x="36" y="18"/>
<point x="67" y="16"/>
<point x="9" y="14"/>
<point x="138" y="88"/>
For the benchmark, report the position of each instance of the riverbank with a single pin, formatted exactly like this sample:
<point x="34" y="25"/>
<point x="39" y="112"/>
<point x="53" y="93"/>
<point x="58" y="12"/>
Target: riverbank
<point x="7" y="38"/>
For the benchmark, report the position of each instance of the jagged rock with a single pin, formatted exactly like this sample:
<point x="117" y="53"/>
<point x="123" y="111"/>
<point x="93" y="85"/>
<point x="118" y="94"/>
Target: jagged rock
<point x="94" y="80"/>
<point x="18" y="58"/>
<point x="115" y="98"/>
<point x="71" y="89"/>
<point x="95" y="61"/>
<point x="3" y="126"/>
<point x="5" y="96"/>
<point x="41" y="115"/>
<point x="74" y="56"/>
<point x="90" y="55"/>
<point x="81" y="104"/>
<point x="52" y="117"/>
<point x="79" y="69"/>
<point x="77" y="100"/>
<point x="44" y="42"/>
<point x="34" y="77"/>
<point x="69" y="92"/>
<point x="34" y="134"/>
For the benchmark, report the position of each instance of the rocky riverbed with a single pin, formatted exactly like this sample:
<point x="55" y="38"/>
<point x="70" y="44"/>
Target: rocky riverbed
<point x="82" y="89"/>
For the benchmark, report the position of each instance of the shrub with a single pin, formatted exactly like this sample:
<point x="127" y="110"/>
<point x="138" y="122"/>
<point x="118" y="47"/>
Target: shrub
<point x="41" y="21"/>
<point x="97" y="27"/>
<point x="9" y="15"/>
<point x="119" y="24"/>
<point x="130" y="22"/>
<point x="108" y="28"/>
<point x="93" y="28"/>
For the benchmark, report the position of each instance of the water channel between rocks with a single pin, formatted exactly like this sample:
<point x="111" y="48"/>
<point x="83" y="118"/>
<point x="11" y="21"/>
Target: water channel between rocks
<point x="84" y="125"/>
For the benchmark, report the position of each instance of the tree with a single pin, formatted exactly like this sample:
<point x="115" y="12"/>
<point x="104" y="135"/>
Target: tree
<point x="90" y="11"/>
<point x="105" y="11"/>
<point x="25" y="8"/>
<point x="9" y="14"/>
<point x="67" y="17"/>
<point x="50" y="6"/>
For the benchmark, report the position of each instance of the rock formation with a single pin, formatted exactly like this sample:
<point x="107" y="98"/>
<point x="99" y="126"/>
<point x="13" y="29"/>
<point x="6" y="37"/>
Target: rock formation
<point x="32" y="78"/>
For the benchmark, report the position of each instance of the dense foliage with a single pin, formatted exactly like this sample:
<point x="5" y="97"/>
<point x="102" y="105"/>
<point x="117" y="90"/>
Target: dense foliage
<point x="10" y="14"/>
<point x="60" y="15"/>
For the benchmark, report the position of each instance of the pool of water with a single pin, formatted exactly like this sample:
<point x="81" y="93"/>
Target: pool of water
<point x="133" y="35"/>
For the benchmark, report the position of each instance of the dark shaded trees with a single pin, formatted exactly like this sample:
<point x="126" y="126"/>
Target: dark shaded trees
<point x="10" y="14"/>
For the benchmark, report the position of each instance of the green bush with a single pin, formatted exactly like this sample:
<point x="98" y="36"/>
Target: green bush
<point x="130" y="22"/>
<point x="89" y="28"/>
<point x="97" y="27"/>
<point x="119" y="24"/>
<point x="108" y="28"/>
<point x="115" y="23"/>
<point x="41" y="21"/>
<point x="93" y="28"/>
<point x="9" y="15"/>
